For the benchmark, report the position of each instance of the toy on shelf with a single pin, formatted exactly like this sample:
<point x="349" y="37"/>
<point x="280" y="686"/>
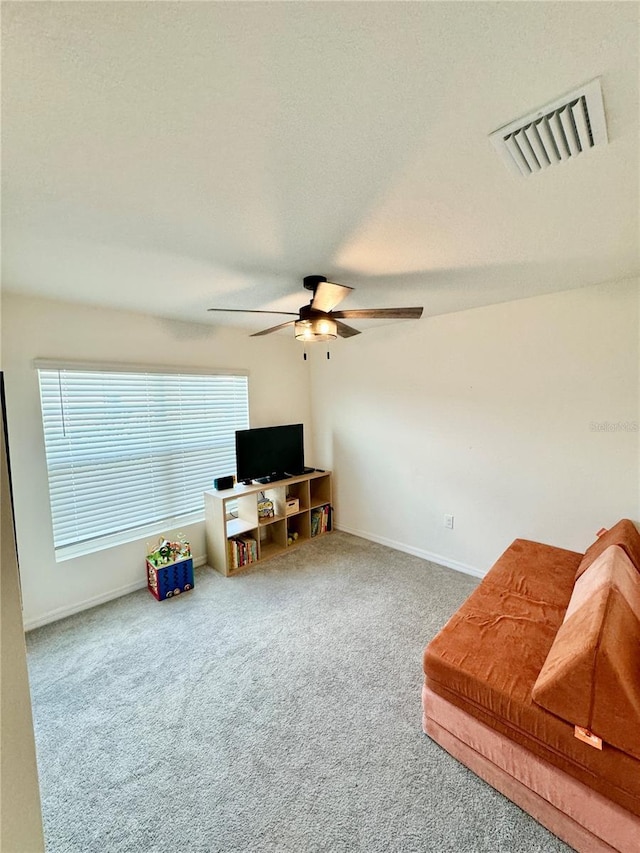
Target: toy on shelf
<point x="265" y="507"/>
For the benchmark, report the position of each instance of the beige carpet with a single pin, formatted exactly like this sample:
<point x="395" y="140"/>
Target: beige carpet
<point x="275" y="711"/>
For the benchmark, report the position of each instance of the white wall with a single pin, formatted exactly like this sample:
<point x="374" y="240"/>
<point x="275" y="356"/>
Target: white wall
<point x="39" y="328"/>
<point x="485" y="414"/>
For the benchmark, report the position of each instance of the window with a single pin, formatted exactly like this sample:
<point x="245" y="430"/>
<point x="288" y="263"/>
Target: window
<point x="127" y="450"/>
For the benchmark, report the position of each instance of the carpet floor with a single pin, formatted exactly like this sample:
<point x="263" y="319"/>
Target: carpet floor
<point x="278" y="710"/>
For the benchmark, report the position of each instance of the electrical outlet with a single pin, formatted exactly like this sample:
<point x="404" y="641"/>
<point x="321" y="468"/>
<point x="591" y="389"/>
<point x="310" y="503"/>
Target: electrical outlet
<point x="448" y="521"/>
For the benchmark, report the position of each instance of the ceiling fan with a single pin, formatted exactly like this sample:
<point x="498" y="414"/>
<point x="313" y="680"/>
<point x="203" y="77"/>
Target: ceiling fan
<point x="317" y="321"/>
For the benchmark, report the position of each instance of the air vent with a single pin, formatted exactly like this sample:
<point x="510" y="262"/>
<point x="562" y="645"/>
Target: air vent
<point x="554" y="134"/>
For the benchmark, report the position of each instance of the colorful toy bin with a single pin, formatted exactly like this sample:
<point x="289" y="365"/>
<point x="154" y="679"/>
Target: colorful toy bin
<point x="170" y="569"/>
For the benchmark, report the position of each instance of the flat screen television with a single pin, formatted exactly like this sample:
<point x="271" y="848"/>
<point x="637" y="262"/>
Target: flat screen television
<point x="267" y="454"/>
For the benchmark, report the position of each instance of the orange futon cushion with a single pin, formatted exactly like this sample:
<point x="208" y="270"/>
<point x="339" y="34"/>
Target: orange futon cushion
<point x="487" y="658"/>
<point x="591" y="676"/>
<point x="623" y="534"/>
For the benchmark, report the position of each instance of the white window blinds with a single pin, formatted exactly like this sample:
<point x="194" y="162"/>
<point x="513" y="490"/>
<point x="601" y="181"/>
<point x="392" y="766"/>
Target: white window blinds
<point x="125" y="450"/>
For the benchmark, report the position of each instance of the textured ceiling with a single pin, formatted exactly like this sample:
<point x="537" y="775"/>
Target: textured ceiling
<point x="168" y="157"/>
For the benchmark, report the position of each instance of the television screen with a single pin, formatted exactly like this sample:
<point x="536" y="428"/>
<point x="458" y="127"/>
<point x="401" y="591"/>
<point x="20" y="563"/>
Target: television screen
<point x="269" y="453"/>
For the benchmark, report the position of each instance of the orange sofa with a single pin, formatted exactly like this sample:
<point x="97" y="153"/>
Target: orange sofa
<point x="534" y="684"/>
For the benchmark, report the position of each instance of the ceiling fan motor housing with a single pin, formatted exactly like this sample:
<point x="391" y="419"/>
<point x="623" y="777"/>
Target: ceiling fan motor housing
<point x="308" y="313"/>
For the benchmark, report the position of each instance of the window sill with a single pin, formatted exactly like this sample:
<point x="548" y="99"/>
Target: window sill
<point x="83" y="549"/>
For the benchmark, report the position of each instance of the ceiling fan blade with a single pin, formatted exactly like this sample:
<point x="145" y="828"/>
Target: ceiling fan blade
<point x="272" y="329"/>
<point x="346" y="331"/>
<point x="328" y="295"/>
<point x="252" y="311"/>
<point x="379" y="313"/>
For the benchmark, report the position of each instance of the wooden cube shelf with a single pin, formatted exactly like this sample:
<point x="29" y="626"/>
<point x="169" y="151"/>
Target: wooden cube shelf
<point x="288" y="527"/>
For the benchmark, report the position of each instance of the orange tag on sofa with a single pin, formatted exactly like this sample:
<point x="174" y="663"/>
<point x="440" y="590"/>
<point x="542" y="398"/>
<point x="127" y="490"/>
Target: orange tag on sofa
<point x="587" y="737"/>
<point x="601" y="532"/>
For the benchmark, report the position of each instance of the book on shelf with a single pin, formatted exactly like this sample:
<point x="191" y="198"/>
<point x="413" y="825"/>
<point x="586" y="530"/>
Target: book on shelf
<point x="242" y="551"/>
<point x="320" y="520"/>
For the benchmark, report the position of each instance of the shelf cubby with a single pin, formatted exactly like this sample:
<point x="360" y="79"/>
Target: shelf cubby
<point x="298" y="528"/>
<point x="273" y="539"/>
<point x="320" y="490"/>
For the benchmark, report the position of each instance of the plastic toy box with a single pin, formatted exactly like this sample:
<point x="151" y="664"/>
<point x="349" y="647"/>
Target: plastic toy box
<point x="171" y="579"/>
<point x="170" y="568"/>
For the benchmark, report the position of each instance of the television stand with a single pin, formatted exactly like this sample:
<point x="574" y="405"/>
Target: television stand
<point x="238" y="536"/>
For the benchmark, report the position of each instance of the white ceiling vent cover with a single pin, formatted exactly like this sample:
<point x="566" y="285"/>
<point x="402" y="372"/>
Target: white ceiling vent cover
<point x="554" y="133"/>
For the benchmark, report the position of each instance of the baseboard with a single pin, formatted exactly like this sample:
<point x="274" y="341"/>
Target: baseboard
<point x="416" y="552"/>
<point x="88" y="603"/>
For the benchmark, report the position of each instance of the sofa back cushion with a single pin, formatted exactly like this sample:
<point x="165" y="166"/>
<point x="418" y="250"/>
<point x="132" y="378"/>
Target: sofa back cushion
<point x="623" y="534"/>
<point x="591" y="677"/>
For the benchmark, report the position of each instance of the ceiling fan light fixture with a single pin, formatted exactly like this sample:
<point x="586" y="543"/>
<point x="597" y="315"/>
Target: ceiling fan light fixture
<point x="318" y="321"/>
<point x="316" y="329"/>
